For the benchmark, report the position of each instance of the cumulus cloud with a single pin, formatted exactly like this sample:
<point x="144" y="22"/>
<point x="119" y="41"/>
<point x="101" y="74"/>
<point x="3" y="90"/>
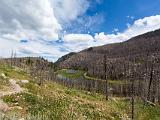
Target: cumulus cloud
<point x="85" y="23"/>
<point x="7" y="46"/>
<point x="29" y="18"/>
<point x="40" y="48"/>
<point x="77" y="38"/>
<point x="32" y="20"/>
<point x="71" y="14"/>
<point x="39" y="24"/>
<point x="110" y="38"/>
<point x="144" y="25"/>
<point x="77" y="42"/>
<point x="69" y="10"/>
<point x="140" y="26"/>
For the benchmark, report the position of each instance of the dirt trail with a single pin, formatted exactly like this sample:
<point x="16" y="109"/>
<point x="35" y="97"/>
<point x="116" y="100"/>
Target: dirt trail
<point x="14" y="88"/>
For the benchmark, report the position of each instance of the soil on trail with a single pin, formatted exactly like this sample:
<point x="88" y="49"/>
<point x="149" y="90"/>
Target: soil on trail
<point x="13" y="89"/>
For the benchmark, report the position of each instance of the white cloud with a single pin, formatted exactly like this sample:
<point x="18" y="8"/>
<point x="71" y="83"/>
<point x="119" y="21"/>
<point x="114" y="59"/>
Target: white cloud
<point x="41" y="21"/>
<point x="144" y="25"/>
<point x="140" y="26"/>
<point x="110" y="38"/>
<point x="31" y="18"/>
<point x="77" y="38"/>
<point x="77" y="42"/>
<point x="7" y="46"/>
<point x="69" y="10"/>
<point x="28" y="19"/>
<point x="130" y="17"/>
<point x="31" y="48"/>
<point x="38" y="22"/>
<point x="40" y="48"/>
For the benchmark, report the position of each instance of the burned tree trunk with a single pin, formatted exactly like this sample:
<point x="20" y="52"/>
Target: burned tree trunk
<point x="132" y="101"/>
<point x="105" y="73"/>
<point x="12" y="55"/>
<point x="150" y="82"/>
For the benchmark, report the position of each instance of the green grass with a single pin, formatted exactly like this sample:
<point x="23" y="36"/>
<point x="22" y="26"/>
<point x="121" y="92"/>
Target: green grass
<point x="119" y="82"/>
<point x="76" y="75"/>
<point x="51" y="101"/>
<point x="147" y="112"/>
<point x="58" y="102"/>
<point x="80" y="74"/>
<point x="13" y="73"/>
<point x="115" y="82"/>
<point x="3" y="82"/>
<point x="34" y="104"/>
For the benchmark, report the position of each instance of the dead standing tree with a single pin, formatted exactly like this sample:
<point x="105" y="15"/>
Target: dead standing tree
<point x="12" y="55"/>
<point x="151" y="78"/>
<point x="131" y="73"/>
<point x="105" y="73"/>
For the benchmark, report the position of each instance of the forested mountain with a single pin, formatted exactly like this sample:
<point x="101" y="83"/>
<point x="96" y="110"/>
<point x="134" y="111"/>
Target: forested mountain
<point x="63" y="58"/>
<point x="136" y="61"/>
<point x="138" y="49"/>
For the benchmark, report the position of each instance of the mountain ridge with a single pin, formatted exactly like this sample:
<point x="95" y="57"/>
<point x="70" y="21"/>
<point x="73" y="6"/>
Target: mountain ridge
<point x="139" y="48"/>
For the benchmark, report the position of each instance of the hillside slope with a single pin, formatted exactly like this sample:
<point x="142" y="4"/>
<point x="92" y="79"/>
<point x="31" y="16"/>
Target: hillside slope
<point x="50" y="101"/>
<point x="137" y="49"/>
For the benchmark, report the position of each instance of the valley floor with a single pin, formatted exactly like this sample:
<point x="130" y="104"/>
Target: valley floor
<point x="51" y="101"/>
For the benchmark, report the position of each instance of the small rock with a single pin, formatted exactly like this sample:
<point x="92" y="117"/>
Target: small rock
<point x="18" y="107"/>
<point x="22" y="119"/>
<point x="16" y="103"/>
<point x="24" y="81"/>
<point x="2" y="115"/>
<point x="3" y="75"/>
<point x="4" y="107"/>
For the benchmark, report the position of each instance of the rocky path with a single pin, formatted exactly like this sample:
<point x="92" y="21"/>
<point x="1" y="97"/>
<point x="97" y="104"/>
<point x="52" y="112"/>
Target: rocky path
<point x="14" y="88"/>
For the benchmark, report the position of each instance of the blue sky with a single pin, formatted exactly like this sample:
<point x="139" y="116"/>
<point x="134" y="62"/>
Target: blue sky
<point x="118" y="10"/>
<point x="57" y="27"/>
<point x="117" y="13"/>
